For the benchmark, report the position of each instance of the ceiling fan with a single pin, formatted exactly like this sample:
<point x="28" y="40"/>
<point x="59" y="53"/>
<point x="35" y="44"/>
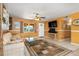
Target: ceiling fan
<point x="38" y="17"/>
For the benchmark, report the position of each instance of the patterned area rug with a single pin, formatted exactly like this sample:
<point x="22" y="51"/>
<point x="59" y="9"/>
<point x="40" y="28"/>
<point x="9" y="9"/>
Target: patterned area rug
<point x="43" y="48"/>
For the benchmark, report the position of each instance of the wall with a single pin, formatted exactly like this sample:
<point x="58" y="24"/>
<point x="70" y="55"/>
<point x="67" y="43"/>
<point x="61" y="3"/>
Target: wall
<point x="46" y="28"/>
<point x="1" y="31"/>
<point x="74" y="29"/>
<point x="62" y="32"/>
<point x="0" y="21"/>
<point x="59" y="29"/>
<point x="73" y="33"/>
<point x="63" y="29"/>
<point x="1" y="11"/>
<point x="35" y="33"/>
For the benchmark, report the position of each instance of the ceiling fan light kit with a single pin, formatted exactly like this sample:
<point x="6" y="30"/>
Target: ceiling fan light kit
<point x="37" y="17"/>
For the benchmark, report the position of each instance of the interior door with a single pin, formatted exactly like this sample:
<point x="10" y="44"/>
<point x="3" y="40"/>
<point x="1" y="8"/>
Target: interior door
<point x="41" y="29"/>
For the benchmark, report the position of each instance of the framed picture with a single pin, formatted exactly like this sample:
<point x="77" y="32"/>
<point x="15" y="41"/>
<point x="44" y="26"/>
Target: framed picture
<point x="75" y="22"/>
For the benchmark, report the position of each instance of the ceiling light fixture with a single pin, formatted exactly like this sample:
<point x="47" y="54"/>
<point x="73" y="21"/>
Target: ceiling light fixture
<point x="69" y="20"/>
<point x="37" y="17"/>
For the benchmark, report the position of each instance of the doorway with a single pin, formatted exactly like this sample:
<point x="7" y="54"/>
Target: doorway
<point x="41" y="29"/>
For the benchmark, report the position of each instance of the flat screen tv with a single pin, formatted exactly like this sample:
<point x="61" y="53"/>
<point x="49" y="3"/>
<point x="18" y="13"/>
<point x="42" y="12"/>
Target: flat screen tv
<point x="52" y="30"/>
<point x="52" y="24"/>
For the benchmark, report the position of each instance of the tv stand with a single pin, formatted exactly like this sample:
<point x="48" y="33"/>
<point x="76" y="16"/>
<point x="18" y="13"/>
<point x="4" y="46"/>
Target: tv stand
<point x="52" y="35"/>
<point x="52" y="30"/>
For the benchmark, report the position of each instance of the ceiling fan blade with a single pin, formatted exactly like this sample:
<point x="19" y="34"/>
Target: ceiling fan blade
<point x="43" y="17"/>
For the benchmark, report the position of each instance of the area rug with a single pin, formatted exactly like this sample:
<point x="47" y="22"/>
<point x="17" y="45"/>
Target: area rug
<point x="43" y="48"/>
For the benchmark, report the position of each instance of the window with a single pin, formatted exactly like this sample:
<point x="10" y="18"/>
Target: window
<point x="28" y="28"/>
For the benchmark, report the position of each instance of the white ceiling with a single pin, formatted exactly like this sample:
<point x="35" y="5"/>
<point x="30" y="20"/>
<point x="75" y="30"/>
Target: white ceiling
<point x="49" y="10"/>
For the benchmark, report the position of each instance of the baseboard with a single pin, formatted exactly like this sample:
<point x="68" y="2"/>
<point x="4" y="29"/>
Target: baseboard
<point x="76" y="44"/>
<point x="60" y="39"/>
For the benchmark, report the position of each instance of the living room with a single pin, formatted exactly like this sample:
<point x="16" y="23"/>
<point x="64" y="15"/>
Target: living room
<point x="36" y="23"/>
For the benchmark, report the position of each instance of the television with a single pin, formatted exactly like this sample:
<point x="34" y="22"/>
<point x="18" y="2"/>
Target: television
<point x="52" y="30"/>
<point x="52" y="24"/>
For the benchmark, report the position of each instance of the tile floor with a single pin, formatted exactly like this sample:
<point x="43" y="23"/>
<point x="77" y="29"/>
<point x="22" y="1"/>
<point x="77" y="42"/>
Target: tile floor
<point x="67" y="44"/>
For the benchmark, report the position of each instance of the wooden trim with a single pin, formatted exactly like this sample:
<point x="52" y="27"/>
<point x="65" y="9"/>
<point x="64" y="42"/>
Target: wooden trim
<point x="1" y="31"/>
<point x="63" y="30"/>
<point x="74" y="30"/>
<point x="76" y="44"/>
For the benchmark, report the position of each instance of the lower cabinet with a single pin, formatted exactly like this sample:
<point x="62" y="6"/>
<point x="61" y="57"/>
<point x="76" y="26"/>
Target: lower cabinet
<point x="17" y="49"/>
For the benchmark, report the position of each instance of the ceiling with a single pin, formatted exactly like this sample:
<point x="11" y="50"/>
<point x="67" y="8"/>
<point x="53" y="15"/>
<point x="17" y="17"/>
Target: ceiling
<point x="48" y="10"/>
